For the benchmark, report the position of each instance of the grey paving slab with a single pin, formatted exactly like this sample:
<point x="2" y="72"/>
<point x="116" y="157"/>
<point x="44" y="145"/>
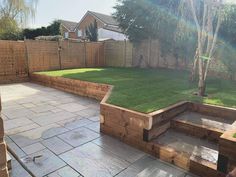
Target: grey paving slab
<point x="77" y="123"/>
<point x="91" y="160"/>
<point x="148" y="166"/>
<point x="23" y="141"/>
<point x="53" y="118"/>
<point x="120" y="149"/>
<point x="94" y="127"/>
<point x="86" y="113"/>
<point x="42" y="108"/>
<point x="94" y="118"/>
<point x="134" y="169"/>
<point x="18" y="170"/>
<point x="79" y="136"/>
<point x="15" y="123"/>
<point x="16" y="149"/>
<point x="65" y="172"/>
<point x="46" y="164"/>
<point x="54" y="131"/>
<point x="95" y="106"/>
<point x="17" y="113"/>
<point x="33" y="148"/>
<point x="56" y="145"/>
<point x="64" y="122"/>
<point x="7" y="107"/>
<point x="31" y="136"/>
<point x="29" y="105"/>
<point x="22" y="129"/>
<point x="56" y="110"/>
<point x="54" y="102"/>
<point x="72" y="107"/>
<point x="161" y="170"/>
<point x="39" y="115"/>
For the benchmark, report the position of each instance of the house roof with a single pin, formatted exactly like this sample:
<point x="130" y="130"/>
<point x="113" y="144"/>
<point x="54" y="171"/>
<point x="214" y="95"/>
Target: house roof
<point x="69" y="25"/>
<point x="109" y="22"/>
<point x="113" y="28"/>
<point x="106" y="19"/>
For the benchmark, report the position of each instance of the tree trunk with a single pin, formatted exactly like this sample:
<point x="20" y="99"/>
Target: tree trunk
<point x="201" y="87"/>
<point x="194" y="68"/>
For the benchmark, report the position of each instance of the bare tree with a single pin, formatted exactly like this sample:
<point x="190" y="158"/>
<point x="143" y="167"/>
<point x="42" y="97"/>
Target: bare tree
<point x="208" y="16"/>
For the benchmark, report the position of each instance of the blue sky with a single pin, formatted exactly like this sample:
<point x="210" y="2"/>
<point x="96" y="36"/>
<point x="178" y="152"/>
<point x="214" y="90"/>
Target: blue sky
<point x="72" y="10"/>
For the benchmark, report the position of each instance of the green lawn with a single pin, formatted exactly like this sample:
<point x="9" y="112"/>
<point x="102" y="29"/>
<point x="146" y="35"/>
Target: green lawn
<point x="147" y="90"/>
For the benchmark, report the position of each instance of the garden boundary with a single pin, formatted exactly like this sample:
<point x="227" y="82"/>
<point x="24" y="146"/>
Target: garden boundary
<point x="20" y="58"/>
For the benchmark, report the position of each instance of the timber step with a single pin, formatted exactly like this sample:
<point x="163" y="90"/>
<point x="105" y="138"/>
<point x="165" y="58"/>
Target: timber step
<point x="201" y="126"/>
<point x="178" y="148"/>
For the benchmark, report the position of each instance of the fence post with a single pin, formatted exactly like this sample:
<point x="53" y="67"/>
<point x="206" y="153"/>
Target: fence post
<point x="27" y="58"/>
<point x="59" y="54"/>
<point x="104" y="54"/>
<point x="149" y="51"/>
<point x="85" y="55"/>
<point x="125" y="53"/>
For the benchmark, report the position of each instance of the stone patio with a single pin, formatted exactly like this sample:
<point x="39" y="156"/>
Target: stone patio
<point x="63" y="131"/>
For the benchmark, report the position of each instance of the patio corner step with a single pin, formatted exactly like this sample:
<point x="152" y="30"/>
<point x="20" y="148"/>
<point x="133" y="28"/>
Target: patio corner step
<point x="201" y="126"/>
<point x="178" y="148"/>
<point x="203" y="167"/>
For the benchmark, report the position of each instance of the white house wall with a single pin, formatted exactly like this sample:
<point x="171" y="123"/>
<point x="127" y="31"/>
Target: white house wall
<point x="105" y="34"/>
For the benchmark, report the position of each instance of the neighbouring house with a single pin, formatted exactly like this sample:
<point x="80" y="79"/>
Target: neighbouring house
<point x="108" y="27"/>
<point x="69" y="29"/>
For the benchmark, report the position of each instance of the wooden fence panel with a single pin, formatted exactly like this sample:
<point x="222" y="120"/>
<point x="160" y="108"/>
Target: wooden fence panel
<point x="42" y="55"/>
<point x="128" y="54"/>
<point x="95" y="54"/>
<point x="72" y="54"/>
<point x="115" y="53"/>
<point x="19" y="58"/>
<point x="13" y="64"/>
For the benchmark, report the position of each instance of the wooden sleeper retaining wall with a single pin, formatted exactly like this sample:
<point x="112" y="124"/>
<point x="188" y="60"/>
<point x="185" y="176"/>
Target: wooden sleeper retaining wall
<point x="83" y="88"/>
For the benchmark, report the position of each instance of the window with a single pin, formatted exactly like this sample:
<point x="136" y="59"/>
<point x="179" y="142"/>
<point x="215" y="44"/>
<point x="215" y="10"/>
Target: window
<point x="66" y="35"/>
<point x="79" y="33"/>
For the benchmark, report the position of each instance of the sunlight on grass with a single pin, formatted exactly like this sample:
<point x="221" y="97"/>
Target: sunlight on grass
<point x="234" y="135"/>
<point x="148" y="90"/>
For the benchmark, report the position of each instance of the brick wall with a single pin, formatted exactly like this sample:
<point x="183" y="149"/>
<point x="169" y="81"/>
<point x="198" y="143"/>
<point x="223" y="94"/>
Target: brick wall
<point x="3" y="149"/>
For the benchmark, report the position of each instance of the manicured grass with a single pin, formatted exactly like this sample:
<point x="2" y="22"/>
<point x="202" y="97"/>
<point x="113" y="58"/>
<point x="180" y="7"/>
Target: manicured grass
<point x="147" y="90"/>
<point x="234" y="135"/>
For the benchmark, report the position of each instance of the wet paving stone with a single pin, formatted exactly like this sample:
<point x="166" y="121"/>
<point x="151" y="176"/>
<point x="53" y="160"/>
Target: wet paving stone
<point x="56" y="145"/>
<point x="44" y="165"/>
<point x="94" y="127"/>
<point x="77" y="123"/>
<point x="79" y="136"/>
<point x="33" y="148"/>
<point x="65" y="172"/>
<point x="120" y="149"/>
<point x="91" y="160"/>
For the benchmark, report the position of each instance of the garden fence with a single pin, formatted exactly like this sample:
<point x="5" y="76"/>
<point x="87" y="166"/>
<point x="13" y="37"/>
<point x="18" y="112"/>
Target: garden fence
<point x="19" y="58"/>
